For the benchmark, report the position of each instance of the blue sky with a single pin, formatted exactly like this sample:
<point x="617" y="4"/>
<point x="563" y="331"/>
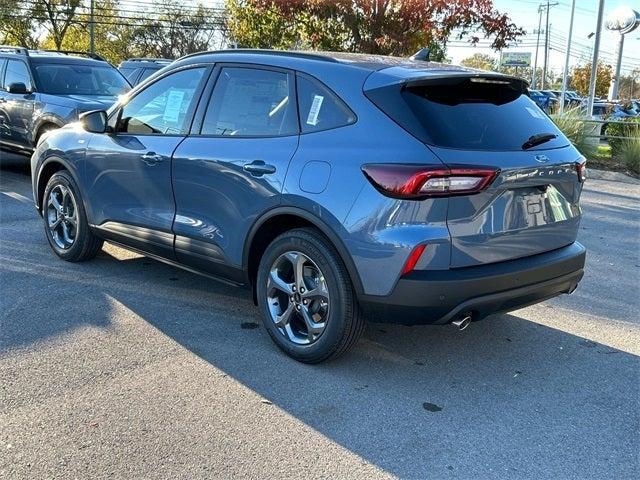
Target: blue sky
<point x="525" y="14"/>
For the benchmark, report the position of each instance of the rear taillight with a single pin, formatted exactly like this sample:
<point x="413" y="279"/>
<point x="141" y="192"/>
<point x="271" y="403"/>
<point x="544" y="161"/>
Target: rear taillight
<point x="581" y="168"/>
<point x="420" y="181"/>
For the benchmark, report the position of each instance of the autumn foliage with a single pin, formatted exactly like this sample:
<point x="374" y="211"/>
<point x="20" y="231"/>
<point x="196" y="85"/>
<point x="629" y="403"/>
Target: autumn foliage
<point x="368" y="26"/>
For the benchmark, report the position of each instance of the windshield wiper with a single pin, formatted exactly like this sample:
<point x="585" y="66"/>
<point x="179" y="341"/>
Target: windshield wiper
<point x="538" y="139"/>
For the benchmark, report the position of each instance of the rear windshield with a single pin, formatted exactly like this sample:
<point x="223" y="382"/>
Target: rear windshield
<point x="65" y="79"/>
<point x="472" y="114"/>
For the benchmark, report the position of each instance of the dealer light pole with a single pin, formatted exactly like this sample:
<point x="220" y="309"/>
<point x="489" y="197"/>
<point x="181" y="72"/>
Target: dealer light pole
<point x="622" y="20"/>
<point x="594" y="63"/>
<point x="565" y="74"/>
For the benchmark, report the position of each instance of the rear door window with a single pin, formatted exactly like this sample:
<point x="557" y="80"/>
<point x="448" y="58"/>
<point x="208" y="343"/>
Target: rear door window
<point x="130" y="73"/>
<point x="251" y="102"/>
<point x="320" y="108"/>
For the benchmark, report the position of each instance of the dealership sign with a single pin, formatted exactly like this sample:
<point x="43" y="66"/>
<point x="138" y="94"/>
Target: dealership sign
<point x="515" y="59"/>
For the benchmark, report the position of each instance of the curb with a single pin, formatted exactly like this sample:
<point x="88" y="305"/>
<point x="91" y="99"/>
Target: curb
<point x="594" y="174"/>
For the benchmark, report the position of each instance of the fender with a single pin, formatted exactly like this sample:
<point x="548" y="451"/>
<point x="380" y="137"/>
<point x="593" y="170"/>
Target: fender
<point x="67" y="165"/>
<point x="46" y="118"/>
<point x="321" y="225"/>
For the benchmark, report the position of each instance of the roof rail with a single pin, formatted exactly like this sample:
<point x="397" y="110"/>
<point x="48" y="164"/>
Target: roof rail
<point x="149" y="59"/>
<point x="279" y="53"/>
<point x="14" y="49"/>
<point x="94" y="56"/>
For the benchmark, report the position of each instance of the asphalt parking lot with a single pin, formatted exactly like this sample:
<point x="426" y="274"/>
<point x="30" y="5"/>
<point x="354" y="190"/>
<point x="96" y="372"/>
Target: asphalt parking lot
<point x="123" y="367"/>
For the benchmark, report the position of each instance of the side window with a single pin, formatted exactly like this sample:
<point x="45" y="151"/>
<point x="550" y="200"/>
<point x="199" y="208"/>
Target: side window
<point x="320" y="108"/>
<point x="17" y="72"/>
<point x="249" y="102"/>
<point x="164" y="106"/>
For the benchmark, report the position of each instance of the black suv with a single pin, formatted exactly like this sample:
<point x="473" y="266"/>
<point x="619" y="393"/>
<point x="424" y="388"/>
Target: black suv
<point x="136" y="70"/>
<point x="41" y="90"/>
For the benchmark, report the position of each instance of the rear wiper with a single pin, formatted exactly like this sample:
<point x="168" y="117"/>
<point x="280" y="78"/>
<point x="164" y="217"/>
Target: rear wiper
<point x="538" y="139"/>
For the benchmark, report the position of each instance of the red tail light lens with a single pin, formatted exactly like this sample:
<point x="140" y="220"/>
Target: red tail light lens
<point x="419" y="181"/>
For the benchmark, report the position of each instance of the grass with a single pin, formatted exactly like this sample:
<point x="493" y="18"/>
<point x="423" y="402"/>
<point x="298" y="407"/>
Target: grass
<point x="625" y="158"/>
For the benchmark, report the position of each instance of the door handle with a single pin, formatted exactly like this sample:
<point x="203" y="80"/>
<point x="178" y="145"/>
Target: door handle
<point x="3" y="100"/>
<point x="257" y="168"/>
<point x="151" y="158"/>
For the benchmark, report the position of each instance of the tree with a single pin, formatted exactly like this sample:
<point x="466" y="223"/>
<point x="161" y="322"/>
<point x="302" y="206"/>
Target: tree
<point x="481" y="61"/>
<point x="630" y="85"/>
<point x="114" y="39"/>
<point x="17" y="26"/>
<point x="582" y="74"/>
<point x="176" y="32"/>
<point x="57" y="16"/>
<point x="397" y="27"/>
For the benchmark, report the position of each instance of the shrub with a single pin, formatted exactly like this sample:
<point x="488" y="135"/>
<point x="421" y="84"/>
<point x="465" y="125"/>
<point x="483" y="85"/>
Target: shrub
<point x="628" y="127"/>
<point x="630" y="154"/>
<point x="577" y="130"/>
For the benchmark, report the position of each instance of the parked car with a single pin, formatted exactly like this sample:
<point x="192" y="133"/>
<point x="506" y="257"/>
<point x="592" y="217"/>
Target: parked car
<point x="337" y="187"/>
<point x="540" y="99"/>
<point x="41" y="90"/>
<point x="138" y="69"/>
<point x="554" y="101"/>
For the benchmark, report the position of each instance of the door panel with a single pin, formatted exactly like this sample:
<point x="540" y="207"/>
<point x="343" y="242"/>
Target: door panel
<point x="218" y="201"/>
<point x="16" y="110"/>
<point x="128" y="182"/>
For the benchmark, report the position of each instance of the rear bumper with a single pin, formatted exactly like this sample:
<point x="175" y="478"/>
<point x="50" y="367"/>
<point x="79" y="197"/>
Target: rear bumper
<point x="424" y="297"/>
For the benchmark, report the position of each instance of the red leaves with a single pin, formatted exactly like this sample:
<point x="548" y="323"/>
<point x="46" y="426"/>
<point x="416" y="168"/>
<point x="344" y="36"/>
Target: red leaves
<point x="396" y="26"/>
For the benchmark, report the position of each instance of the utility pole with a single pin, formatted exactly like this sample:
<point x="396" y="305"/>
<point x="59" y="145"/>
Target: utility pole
<point x="565" y="73"/>
<point x="546" y="45"/>
<point x="92" y="46"/>
<point x="594" y="63"/>
<point x="535" y="62"/>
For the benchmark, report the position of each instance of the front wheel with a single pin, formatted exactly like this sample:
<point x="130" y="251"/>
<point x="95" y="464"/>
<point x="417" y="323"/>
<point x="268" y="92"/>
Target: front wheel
<point x="306" y="297"/>
<point x="65" y="220"/>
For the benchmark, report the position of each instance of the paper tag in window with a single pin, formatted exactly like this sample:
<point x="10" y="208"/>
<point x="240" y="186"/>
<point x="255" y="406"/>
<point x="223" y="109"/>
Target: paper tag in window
<point x="312" y="118"/>
<point x="535" y="113"/>
<point x="172" y="108"/>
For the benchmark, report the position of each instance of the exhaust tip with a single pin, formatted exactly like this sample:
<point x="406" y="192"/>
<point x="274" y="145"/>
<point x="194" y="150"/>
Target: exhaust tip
<point x="463" y="322"/>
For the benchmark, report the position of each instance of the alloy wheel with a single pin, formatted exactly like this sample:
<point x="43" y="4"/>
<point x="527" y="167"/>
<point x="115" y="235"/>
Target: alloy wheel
<point x="62" y="216"/>
<point x="298" y="298"/>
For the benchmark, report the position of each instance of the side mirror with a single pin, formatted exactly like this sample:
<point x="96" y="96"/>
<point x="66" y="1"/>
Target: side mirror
<point x="18" y="88"/>
<point x="94" y="122"/>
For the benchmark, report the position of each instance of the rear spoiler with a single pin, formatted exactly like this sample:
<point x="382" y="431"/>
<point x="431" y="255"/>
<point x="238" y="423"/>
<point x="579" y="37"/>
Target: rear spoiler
<point x="455" y="78"/>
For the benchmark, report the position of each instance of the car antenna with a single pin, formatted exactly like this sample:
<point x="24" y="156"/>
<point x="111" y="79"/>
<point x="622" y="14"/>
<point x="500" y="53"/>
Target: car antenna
<point x="422" y="54"/>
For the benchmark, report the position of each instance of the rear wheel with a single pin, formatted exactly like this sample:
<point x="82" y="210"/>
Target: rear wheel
<point x="306" y="297"/>
<point x="65" y="220"/>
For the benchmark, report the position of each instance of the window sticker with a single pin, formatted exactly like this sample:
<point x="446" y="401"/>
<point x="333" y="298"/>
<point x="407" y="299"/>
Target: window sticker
<point x="314" y="111"/>
<point x="173" y="106"/>
<point x="535" y="113"/>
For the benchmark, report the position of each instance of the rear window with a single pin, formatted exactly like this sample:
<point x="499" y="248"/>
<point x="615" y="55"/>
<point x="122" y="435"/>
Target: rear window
<point x="470" y="114"/>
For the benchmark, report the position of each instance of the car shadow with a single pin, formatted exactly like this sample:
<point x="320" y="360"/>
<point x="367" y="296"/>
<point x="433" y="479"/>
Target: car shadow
<point x="406" y="398"/>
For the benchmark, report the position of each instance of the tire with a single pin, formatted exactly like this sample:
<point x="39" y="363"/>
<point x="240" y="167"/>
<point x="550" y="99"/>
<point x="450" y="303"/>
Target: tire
<point x="71" y="243"/>
<point x="328" y="303"/>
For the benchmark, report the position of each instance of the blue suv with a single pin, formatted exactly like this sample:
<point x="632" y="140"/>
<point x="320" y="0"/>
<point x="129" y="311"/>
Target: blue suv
<point x="337" y="187"/>
<point x="41" y="90"/>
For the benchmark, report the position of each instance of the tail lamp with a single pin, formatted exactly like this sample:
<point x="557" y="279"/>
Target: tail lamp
<point x="415" y="182"/>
